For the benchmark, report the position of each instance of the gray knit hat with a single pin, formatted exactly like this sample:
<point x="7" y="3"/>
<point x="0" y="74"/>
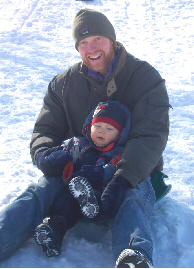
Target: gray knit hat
<point x="90" y="22"/>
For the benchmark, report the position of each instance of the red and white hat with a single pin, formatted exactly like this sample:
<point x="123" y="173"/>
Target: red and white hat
<point x="111" y="113"/>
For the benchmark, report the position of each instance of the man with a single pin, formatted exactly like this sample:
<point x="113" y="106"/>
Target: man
<point x="107" y="72"/>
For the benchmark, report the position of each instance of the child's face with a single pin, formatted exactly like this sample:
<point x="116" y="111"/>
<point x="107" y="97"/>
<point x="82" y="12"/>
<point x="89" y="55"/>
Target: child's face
<point x="102" y="133"/>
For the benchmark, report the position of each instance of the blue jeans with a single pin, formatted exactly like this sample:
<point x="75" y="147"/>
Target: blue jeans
<point x="132" y="220"/>
<point x="19" y="219"/>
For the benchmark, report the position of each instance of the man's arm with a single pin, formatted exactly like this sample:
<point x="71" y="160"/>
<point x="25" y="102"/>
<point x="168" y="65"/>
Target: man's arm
<point x="148" y="136"/>
<point x="51" y="126"/>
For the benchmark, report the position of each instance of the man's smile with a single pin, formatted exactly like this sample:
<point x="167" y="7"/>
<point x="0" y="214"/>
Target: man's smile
<point x="95" y="57"/>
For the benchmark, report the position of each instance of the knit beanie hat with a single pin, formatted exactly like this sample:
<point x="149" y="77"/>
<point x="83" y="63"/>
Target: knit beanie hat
<point x="111" y="113"/>
<point x="90" y="22"/>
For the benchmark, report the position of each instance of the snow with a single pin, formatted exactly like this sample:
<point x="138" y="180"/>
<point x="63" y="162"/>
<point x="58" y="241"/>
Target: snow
<point x="36" y="45"/>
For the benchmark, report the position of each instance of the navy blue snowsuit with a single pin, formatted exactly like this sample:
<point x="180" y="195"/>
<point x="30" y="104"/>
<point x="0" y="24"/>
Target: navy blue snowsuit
<point x="85" y="152"/>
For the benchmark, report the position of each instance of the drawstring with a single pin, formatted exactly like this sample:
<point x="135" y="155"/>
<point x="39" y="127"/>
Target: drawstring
<point x="131" y="242"/>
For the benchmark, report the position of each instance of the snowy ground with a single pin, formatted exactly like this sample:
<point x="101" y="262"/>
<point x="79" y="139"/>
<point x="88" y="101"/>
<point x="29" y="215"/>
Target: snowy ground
<point x="35" y="45"/>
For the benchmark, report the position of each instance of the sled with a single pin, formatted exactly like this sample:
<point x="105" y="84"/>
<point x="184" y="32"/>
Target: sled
<point x="159" y="185"/>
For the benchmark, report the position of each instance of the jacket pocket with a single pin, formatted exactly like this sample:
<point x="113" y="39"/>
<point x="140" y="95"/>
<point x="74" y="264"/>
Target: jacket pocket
<point x="158" y="107"/>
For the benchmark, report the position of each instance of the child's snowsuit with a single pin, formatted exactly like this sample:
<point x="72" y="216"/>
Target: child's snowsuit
<point x="97" y="165"/>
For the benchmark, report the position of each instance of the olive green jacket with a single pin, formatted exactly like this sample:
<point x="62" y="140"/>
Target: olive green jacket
<point x="72" y="94"/>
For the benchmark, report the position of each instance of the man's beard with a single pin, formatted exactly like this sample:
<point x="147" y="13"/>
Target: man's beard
<point x="104" y="66"/>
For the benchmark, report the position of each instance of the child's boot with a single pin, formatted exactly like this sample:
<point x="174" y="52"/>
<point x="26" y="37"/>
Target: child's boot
<point x="50" y="235"/>
<point x="82" y="190"/>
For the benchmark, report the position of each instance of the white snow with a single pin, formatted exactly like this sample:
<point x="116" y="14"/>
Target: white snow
<point x="36" y="45"/>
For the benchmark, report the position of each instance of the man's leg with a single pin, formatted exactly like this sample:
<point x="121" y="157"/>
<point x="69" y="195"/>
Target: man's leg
<point x="19" y="219"/>
<point x="132" y="220"/>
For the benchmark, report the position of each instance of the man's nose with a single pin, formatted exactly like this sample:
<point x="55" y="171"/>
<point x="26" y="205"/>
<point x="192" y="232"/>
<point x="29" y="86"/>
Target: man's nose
<point x="92" y="46"/>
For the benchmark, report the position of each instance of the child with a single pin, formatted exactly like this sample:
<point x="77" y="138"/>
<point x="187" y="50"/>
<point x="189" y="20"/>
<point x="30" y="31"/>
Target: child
<point x="106" y="130"/>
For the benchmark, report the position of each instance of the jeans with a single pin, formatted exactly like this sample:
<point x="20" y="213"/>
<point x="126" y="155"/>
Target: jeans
<point x="132" y="220"/>
<point x="19" y="219"/>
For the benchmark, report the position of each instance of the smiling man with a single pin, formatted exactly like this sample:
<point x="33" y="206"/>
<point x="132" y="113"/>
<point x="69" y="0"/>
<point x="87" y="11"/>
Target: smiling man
<point x="107" y="72"/>
<point x="96" y="41"/>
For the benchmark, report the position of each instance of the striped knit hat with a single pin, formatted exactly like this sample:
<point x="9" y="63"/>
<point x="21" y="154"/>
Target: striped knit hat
<point x="111" y="113"/>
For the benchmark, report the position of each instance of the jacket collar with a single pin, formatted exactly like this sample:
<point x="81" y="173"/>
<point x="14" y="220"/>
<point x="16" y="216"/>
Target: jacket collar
<point x="107" y="147"/>
<point x="118" y="65"/>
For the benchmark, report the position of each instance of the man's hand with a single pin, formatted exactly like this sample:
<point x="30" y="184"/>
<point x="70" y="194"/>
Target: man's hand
<point x="113" y="195"/>
<point x="52" y="161"/>
<point x="93" y="173"/>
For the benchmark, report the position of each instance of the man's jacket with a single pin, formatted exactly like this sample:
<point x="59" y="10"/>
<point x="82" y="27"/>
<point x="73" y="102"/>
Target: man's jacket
<point x="72" y="94"/>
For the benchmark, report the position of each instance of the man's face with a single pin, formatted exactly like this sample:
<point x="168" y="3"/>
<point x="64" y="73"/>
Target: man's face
<point x="97" y="53"/>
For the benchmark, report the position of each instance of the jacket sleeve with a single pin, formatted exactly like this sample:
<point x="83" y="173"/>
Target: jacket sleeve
<point x="148" y="136"/>
<point x="51" y="127"/>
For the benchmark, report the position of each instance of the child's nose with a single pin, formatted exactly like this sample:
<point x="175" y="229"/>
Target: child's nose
<point x="102" y="130"/>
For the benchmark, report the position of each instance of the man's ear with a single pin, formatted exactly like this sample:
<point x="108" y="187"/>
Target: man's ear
<point x="114" y="44"/>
